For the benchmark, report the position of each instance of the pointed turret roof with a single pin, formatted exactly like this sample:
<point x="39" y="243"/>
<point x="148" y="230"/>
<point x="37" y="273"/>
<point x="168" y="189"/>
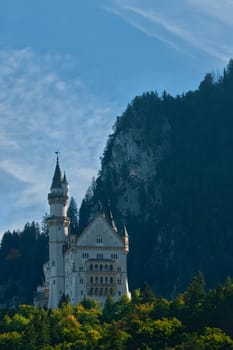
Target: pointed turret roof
<point x="109" y="216"/>
<point x="125" y="232"/>
<point x="64" y="181"/>
<point x="57" y="177"/>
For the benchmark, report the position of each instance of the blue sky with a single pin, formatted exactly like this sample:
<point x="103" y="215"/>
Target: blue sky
<point x="68" y="68"/>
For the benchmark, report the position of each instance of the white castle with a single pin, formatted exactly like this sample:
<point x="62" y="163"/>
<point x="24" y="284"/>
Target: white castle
<point x="92" y="264"/>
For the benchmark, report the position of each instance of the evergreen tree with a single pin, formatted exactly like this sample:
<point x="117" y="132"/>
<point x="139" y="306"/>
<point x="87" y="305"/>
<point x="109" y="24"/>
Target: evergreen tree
<point x="72" y="213"/>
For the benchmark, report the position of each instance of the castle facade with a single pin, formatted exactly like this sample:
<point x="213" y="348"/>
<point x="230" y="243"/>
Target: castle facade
<point x="92" y="264"/>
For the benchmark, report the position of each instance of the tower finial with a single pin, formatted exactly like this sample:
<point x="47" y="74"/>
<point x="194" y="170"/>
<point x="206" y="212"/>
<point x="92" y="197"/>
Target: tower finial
<point x="57" y="177"/>
<point x="57" y="153"/>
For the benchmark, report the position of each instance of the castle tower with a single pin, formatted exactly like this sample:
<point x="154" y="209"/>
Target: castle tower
<point x="58" y="223"/>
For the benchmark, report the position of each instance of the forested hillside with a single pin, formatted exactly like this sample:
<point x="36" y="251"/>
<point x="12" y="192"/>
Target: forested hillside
<point x="22" y="255"/>
<point x="168" y="172"/>
<point x="194" y="320"/>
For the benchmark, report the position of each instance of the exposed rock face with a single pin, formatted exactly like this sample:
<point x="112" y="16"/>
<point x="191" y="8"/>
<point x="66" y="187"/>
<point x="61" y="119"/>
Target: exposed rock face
<point x="130" y="155"/>
<point x="167" y="170"/>
<point x="128" y="178"/>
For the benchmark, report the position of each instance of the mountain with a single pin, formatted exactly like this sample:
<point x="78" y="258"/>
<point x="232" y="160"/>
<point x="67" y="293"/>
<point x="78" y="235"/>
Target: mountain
<point x="167" y="170"/>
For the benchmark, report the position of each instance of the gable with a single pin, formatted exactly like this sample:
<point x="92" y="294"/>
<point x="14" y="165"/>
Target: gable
<point x="99" y="234"/>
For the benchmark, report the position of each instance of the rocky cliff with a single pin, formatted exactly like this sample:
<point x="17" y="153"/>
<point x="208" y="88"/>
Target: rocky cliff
<point x="168" y="172"/>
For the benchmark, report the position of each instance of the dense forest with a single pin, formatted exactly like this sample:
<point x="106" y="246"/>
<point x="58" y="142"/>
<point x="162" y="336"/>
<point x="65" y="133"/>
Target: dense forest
<point x="168" y="172"/>
<point x="22" y="255"/>
<point x="194" y="320"/>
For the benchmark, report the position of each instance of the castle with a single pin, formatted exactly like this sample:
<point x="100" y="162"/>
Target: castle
<point x="92" y="264"/>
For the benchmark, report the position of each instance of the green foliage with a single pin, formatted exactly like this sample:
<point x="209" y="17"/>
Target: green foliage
<point x="10" y="341"/>
<point x="22" y="255"/>
<point x="63" y="301"/>
<point x="157" y="323"/>
<point x="147" y="295"/>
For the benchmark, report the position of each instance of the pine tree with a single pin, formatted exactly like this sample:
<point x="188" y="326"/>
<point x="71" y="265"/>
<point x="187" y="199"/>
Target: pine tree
<point x="73" y="215"/>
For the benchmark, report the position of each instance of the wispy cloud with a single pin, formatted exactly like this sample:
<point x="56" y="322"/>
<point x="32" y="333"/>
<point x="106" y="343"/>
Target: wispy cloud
<point x="185" y="24"/>
<point x="42" y="108"/>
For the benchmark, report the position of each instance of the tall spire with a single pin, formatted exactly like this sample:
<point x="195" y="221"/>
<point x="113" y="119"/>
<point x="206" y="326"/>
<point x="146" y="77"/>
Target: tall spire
<point x="57" y="177"/>
<point x="109" y="216"/>
<point x="64" y="181"/>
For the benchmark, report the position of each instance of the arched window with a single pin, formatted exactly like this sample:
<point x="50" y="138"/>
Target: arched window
<point x="106" y="267"/>
<point x="101" y="280"/>
<point x="91" y="267"/>
<point x="106" y="279"/>
<point x="91" y="280"/>
<point x="111" y="268"/>
<point x="96" y="267"/>
<point x="101" y="267"/>
<point x="111" y="280"/>
<point x="96" y="280"/>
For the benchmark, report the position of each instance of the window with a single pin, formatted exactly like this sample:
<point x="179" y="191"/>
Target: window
<point x="114" y="256"/>
<point x="106" y="279"/>
<point x="85" y="255"/>
<point x="54" y="281"/>
<point x="100" y="256"/>
<point x="91" y="280"/>
<point x="111" y="280"/>
<point x="96" y="267"/>
<point x="119" y="293"/>
<point x="80" y="267"/>
<point x="81" y="292"/>
<point x="96" y="280"/>
<point x="91" y="267"/>
<point x="101" y="267"/>
<point x="101" y="280"/>
<point x="111" y="268"/>
<point x="99" y="239"/>
<point x="119" y="281"/>
<point x="118" y="269"/>
<point x="81" y="280"/>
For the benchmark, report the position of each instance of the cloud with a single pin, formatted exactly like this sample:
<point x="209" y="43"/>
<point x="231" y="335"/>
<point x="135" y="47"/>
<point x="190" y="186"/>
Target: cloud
<point x="45" y="106"/>
<point x="200" y="25"/>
